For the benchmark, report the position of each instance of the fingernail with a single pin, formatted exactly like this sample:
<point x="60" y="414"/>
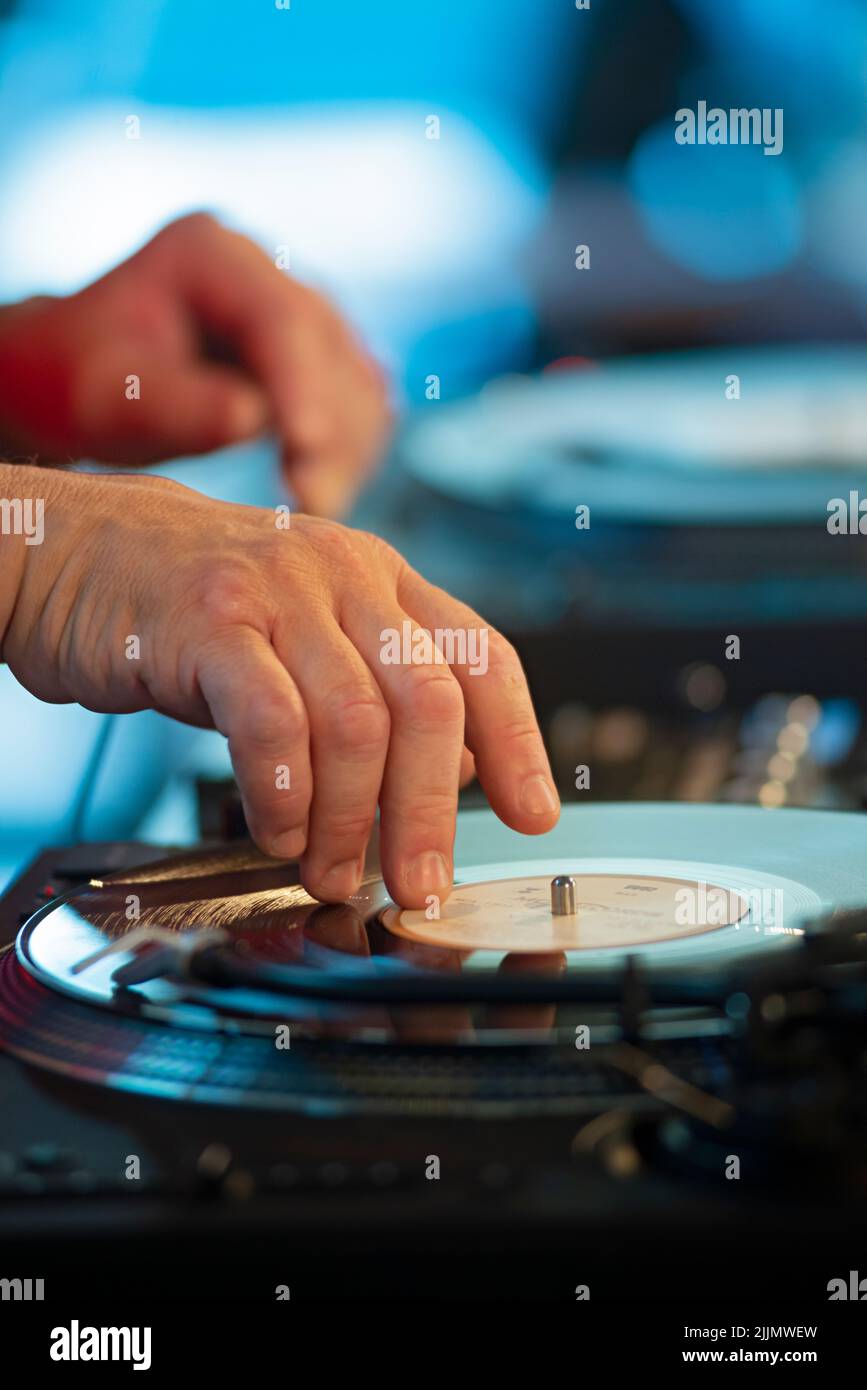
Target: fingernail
<point x="341" y="880"/>
<point x="288" y="845"/>
<point x="538" y="797"/>
<point x="428" y="873"/>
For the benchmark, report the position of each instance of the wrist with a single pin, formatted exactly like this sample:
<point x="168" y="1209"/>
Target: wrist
<point x="36" y="506"/>
<point x="25" y="367"/>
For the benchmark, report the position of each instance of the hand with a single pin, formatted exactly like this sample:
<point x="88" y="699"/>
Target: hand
<point x="223" y="345"/>
<point x="145" y="594"/>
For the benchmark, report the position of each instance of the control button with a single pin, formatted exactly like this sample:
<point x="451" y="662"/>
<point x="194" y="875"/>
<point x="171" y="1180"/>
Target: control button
<point x="333" y="1174"/>
<point x="383" y="1174"/>
<point x="213" y="1163"/>
<point x="495" y="1176"/>
<point x="284" y="1175"/>
<point x="217" y="1176"/>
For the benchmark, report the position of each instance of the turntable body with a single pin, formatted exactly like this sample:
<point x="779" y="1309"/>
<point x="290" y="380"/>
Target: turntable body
<point x="573" y="1130"/>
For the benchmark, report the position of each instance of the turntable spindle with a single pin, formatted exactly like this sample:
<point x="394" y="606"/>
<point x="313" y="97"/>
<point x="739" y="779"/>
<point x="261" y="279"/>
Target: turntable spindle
<point x="563" y="896"/>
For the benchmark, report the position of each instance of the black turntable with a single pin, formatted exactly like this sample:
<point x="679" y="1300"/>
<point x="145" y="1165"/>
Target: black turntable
<point x="582" y="1071"/>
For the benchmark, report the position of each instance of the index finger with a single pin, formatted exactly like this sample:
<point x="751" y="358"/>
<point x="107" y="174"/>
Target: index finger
<point x="280" y="330"/>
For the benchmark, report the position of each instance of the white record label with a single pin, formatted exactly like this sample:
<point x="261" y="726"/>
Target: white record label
<point x="612" y="910"/>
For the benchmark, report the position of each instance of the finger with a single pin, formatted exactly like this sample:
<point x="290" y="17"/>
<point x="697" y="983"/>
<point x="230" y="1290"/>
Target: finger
<point x="256" y="705"/>
<point x="501" y="731"/>
<point x="349" y="730"/>
<point x="468" y="768"/>
<point x="326" y="483"/>
<point x="286" y="335"/>
<point x="418" y="802"/>
<point x="322" y="484"/>
<point x="167" y="407"/>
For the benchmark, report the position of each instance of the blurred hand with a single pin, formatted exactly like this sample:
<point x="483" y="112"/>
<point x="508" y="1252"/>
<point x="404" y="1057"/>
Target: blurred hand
<point x="223" y="346"/>
<point x="144" y="594"/>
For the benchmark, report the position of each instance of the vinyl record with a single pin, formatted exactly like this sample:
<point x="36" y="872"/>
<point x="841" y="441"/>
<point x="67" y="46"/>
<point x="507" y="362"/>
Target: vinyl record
<point x="657" y="440"/>
<point x="682" y="893"/>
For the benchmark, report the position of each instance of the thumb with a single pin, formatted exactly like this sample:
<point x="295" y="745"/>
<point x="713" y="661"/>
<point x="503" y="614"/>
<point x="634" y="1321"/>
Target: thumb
<point x="165" y="409"/>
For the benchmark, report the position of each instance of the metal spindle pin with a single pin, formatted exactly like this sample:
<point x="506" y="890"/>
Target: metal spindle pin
<point x="564" y="900"/>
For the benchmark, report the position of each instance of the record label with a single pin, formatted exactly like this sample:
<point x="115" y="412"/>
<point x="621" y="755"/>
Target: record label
<point x="612" y="911"/>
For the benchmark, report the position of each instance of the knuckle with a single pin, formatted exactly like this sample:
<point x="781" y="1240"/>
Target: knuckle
<point x="192" y="224"/>
<point x="223" y="593"/>
<point x="172" y="240"/>
<point x="356" y="721"/>
<point x="350" y="827"/>
<point x="519" y="733"/>
<point x="275" y="552"/>
<point x="265" y="830"/>
<point x="145" y="311"/>
<point x="431" y="695"/>
<point x="430" y="814"/>
<point x="273" y="722"/>
<point x="381" y="552"/>
<point x="503" y="660"/>
<point x="336" y="546"/>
